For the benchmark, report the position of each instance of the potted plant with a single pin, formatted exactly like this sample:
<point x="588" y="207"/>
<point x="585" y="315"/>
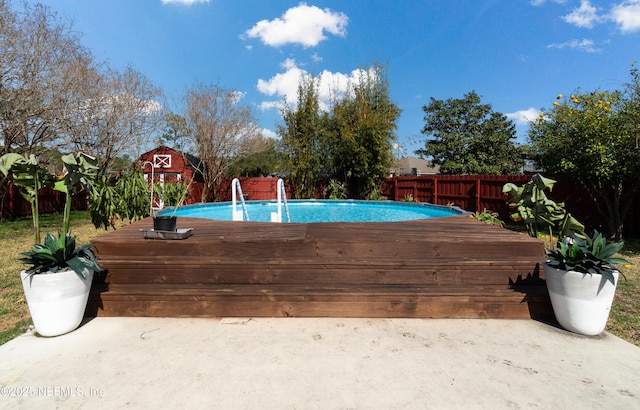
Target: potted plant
<point x="58" y="279"/>
<point x="173" y="194"/>
<point x="581" y="278"/>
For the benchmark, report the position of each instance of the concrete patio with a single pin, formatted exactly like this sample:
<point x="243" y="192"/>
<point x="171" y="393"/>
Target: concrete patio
<point x="294" y="363"/>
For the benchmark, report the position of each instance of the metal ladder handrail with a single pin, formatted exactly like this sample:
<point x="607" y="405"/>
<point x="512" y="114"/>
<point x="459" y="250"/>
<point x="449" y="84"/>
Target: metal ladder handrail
<point x="281" y="196"/>
<point x="283" y="193"/>
<point x="236" y="189"/>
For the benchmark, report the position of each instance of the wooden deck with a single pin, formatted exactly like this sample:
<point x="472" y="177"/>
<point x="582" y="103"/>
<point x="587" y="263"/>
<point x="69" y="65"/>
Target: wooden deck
<point x="453" y="267"/>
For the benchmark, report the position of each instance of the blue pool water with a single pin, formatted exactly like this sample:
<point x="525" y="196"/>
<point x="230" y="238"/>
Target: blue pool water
<point x="309" y="210"/>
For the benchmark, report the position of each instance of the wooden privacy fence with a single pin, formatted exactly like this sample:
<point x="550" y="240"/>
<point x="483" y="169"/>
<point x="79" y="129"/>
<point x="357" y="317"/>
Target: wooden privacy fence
<point x="255" y="189"/>
<point x="475" y="193"/>
<point x="50" y="201"/>
<point x="470" y="192"/>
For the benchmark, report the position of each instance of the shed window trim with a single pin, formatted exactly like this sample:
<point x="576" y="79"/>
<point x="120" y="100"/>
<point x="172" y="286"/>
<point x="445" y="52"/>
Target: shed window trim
<point x="162" y="161"/>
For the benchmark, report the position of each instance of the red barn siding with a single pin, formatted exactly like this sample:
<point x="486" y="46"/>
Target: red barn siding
<point x="172" y="166"/>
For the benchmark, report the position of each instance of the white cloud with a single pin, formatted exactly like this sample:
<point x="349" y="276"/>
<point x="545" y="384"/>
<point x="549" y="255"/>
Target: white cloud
<point x="584" y="16"/>
<point x="184" y="2"/>
<point x="282" y="84"/>
<point x="267" y="133"/>
<point x="237" y="96"/>
<point x="585" y="44"/>
<point x="523" y="116"/>
<point x="302" y="24"/>
<point x="146" y="107"/>
<point x="270" y="105"/>
<point x="151" y="107"/>
<point x="626" y="15"/>
<point x="285" y="85"/>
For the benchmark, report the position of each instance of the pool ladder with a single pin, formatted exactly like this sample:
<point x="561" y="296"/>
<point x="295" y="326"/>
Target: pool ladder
<point x="281" y="198"/>
<point x="236" y="189"/>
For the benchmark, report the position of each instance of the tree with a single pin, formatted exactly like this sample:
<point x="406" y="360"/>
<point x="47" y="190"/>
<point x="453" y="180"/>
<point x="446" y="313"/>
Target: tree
<point x="222" y="130"/>
<point x="37" y="52"/>
<point x="351" y="142"/>
<point x="467" y="137"/>
<point x="363" y="127"/>
<point x="115" y="113"/>
<point x="303" y="146"/>
<point x="176" y="133"/>
<point x="592" y="138"/>
<point x="53" y="95"/>
<point x="260" y="164"/>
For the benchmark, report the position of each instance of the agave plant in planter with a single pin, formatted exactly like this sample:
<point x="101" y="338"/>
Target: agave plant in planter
<point x="581" y="278"/>
<point x="57" y="283"/>
<point x="58" y="280"/>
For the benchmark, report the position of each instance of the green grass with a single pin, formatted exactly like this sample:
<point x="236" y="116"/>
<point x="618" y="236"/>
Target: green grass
<point x="17" y="236"/>
<point x="624" y="320"/>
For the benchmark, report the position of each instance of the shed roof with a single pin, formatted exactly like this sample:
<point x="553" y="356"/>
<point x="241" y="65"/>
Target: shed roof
<point x="416" y="166"/>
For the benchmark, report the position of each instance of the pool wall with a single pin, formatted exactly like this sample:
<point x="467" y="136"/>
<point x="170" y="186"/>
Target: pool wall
<point x="313" y="210"/>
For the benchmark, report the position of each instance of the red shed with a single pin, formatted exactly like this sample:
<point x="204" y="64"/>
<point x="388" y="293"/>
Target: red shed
<point x="169" y="165"/>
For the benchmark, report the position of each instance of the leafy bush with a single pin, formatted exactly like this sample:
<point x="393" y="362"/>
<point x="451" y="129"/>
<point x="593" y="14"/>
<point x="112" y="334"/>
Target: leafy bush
<point x="173" y="194"/>
<point x="103" y="202"/>
<point x="133" y="192"/>
<point x="489" y="217"/>
<point x="126" y="197"/>
<point x="335" y="190"/>
<point x="376" y="195"/>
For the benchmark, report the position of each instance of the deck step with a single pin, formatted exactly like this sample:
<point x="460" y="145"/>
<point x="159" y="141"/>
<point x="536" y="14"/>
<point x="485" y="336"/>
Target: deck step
<point x="322" y="301"/>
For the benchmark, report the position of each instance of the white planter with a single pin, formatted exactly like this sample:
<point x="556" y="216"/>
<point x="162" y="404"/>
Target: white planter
<point x="57" y="301"/>
<point x="581" y="301"/>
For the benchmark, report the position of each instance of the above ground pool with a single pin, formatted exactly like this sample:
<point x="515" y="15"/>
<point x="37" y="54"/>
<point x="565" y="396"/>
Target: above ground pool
<point x="309" y="210"/>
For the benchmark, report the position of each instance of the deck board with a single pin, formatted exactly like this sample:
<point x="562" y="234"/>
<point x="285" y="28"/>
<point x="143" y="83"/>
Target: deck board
<point x="444" y="267"/>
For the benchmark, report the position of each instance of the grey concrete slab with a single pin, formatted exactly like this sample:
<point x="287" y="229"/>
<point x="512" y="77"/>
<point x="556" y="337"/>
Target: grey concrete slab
<point x="325" y="363"/>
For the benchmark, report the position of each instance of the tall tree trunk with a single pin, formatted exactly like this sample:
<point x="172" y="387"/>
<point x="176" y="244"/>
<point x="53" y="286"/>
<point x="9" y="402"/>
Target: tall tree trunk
<point x="612" y="202"/>
<point x="205" y="192"/>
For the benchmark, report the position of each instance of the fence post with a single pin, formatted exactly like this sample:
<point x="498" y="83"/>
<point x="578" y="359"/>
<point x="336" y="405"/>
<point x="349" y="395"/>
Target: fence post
<point x="395" y="189"/>
<point x="478" y="194"/>
<point x="435" y="189"/>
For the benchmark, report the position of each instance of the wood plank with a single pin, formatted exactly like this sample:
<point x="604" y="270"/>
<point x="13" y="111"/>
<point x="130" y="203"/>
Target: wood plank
<point x="320" y="272"/>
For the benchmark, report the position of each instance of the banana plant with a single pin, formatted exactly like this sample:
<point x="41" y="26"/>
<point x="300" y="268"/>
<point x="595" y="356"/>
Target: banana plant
<point x="80" y="172"/>
<point x="531" y="205"/>
<point x="27" y="174"/>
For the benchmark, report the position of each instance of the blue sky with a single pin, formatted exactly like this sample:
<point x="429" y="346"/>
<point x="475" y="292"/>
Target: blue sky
<point x="516" y="54"/>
